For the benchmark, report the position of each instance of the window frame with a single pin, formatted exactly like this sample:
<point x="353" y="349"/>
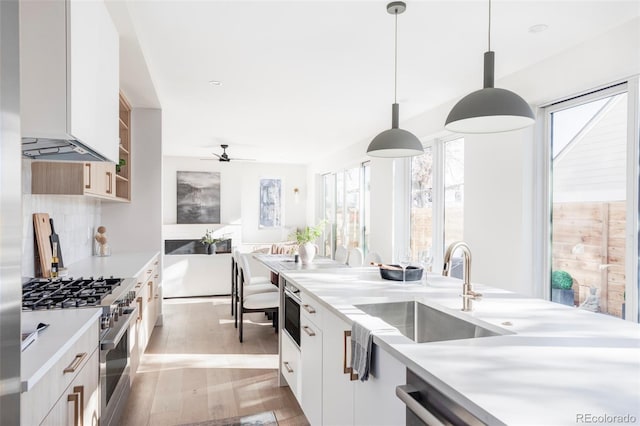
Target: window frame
<point x="543" y="190"/>
<point x="437" y="146"/>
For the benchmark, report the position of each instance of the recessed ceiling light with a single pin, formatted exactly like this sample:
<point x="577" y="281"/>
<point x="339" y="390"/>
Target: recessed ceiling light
<point x="538" y="28"/>
<point x="215" y="83"/>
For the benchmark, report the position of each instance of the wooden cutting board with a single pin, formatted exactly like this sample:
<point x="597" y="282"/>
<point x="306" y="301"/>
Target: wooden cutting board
<point x="42" y="232"/>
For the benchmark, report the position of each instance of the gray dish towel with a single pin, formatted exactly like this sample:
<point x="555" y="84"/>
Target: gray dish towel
<point x="361" y="343"/>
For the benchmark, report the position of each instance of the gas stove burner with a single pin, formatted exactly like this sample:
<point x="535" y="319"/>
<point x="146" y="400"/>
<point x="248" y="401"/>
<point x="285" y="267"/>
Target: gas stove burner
<point x="40" y="293"/>
<point x="74" y="303"/>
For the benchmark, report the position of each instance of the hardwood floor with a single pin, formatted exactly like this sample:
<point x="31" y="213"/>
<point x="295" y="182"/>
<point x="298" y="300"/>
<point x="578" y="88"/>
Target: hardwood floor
<point x="195" y="369"/>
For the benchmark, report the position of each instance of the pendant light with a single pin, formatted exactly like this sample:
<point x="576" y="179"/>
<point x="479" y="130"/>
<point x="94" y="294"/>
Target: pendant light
<point x="395" y="142"/>
<point x="489" y="110"/>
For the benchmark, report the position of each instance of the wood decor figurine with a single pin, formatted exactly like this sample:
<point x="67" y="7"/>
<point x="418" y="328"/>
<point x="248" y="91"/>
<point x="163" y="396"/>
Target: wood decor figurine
<point x="101" y="246"/>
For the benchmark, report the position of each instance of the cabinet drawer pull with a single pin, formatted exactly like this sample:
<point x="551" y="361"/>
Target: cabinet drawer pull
<point x="347" y="370"/>
<point x="138" y="284"/>
<point x="80" y="391"/>
<point x="139" y="301"/>
<point x="149" y="271"/>
<point x="309" y="309"/>
<point x="108" y="175"/>
<point x="308" y="330"/>
<point x="287" y="366"/>
<point x="156" y="262"/>
<point x="88" y="167"/>
<point x="76" y="408"/>
<point x="156" y="276"/>
<point x="75" y="363"/>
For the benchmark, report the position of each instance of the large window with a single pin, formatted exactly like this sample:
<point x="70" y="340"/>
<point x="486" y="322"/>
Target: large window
<point x="589" y="224"/>
<point x="437" y="197"/>
<point x="346" y="209"/>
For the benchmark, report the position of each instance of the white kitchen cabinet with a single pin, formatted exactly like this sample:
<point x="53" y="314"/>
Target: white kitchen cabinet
<point x="69" y="73"/>
<point x="79" y="405"/>
<point x="337" y="384"/>
<point x="148" y="301"/>
<point x="91" y="178"/>
<point x="311" y="369"/>
<point x="76" y="373"/>
<point x="290" y="364"/>
<point x="376" y="402"/>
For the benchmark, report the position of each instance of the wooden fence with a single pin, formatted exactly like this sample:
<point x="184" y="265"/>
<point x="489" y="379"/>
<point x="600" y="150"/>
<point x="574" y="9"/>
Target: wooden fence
<point x="589" y="243"/>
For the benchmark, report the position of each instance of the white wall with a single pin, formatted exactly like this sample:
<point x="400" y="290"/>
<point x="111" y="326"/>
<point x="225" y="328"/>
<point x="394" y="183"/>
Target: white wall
<point x="75" y="219"/>
<point x="499" y="169"/>
<point x="137" y="226"/>
<point x="239" y="194"/>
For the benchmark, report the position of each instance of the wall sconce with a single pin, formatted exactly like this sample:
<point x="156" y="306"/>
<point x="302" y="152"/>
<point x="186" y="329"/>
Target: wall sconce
<point x="296" y="195"/>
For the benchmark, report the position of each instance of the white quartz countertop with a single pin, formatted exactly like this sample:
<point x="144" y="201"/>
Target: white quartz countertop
<point x="119" y="265"/>
<point x="65" y="328"/>
<point x="554" y="363"/>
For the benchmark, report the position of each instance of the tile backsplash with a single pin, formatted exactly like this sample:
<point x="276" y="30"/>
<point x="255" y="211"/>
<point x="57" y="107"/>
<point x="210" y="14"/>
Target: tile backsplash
<point x="75" y="220"/>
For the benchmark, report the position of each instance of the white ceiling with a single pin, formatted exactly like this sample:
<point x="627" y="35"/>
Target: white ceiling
<point x="303" y="79"/>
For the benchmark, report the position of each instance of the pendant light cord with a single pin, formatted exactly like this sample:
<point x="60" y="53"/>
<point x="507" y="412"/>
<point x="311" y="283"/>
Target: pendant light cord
<point x="489" y="32"/>
<point x="395" y="63"/>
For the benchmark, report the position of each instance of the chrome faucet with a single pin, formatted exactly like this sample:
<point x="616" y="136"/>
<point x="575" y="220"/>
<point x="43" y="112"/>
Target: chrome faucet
<point x="468" y="295"/>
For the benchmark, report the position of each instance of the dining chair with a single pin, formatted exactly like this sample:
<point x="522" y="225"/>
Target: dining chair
<point x="355" y="257"/>
<point x="341" y="255"/>
<point x="250" y="285"/>
<point x="267" y="302"/>
<point x="372" y="256"/>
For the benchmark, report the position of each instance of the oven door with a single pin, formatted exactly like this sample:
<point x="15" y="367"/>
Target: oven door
<point x="114" y="369"/>
<point x="292" y="315"/>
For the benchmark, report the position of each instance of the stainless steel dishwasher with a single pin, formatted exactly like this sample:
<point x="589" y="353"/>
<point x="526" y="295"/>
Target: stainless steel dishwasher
<point x="428" y="406"/>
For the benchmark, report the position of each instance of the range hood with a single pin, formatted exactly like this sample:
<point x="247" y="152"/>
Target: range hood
<point x="59" y="149"/>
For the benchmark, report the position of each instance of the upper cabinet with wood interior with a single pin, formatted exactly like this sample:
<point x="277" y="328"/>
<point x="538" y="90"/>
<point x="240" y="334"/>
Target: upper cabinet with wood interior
<point x="69" y="73"/>
<point x="123" y="167"/>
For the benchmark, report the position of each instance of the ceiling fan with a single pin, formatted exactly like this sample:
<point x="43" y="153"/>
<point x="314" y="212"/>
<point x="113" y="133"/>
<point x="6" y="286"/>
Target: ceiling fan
<point x="224" y="157"/>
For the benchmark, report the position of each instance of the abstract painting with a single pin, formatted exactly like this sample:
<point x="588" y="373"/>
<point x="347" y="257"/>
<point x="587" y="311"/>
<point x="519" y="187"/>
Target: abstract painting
<point x="270" y="203"/>
<point x="198" y="197"/>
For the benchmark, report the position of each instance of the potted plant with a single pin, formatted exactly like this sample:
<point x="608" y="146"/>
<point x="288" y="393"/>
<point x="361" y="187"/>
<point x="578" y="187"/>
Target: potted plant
<point x="305" y="238"/>
<point x="209" y="242"/>
<point x="561" y="288"/>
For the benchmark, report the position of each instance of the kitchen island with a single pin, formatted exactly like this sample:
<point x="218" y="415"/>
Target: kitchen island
<point x="552" y="364"/>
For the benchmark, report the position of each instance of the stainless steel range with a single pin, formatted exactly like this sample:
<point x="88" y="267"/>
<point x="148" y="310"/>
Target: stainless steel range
<point x="119" y="313"/>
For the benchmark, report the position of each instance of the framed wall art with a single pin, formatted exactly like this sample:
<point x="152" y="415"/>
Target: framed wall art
<point x="198" y="197"/>
<point x="270" y="203"/>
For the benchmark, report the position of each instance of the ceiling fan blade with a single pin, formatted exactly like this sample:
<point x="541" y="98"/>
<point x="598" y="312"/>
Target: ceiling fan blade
<point x="209" y="159"/>
<point x="242" y="159"/>
<point x="219" y="156"/>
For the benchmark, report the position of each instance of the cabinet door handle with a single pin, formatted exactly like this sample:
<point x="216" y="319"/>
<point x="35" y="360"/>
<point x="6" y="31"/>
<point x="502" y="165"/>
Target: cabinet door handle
<point x="309" y="309"/>
<point x="109" y="184"/>
<point x="150" y="284"/>
<point x="287" y="366"/>
<point x="80" y="391"/>
<point x="347" y="370"/>
<point x="88" y="169"/>
<point x="139" y="300"/>
<point x="308" y="330"/>
<point x="73" y="397"/>
<point x="77" y="360"/>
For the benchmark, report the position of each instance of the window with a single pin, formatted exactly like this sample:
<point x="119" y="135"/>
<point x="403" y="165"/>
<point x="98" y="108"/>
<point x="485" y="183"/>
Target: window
<point x="437" y="197"/>
<point x="346" y="208"/>
<point x="588" y="146"/>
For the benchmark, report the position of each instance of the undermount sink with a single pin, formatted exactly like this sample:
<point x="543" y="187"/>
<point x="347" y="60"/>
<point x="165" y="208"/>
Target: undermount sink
<point x="422" y="323"/>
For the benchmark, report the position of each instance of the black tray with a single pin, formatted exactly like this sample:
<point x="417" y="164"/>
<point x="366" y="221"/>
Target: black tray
<point x="413" y="273"/>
